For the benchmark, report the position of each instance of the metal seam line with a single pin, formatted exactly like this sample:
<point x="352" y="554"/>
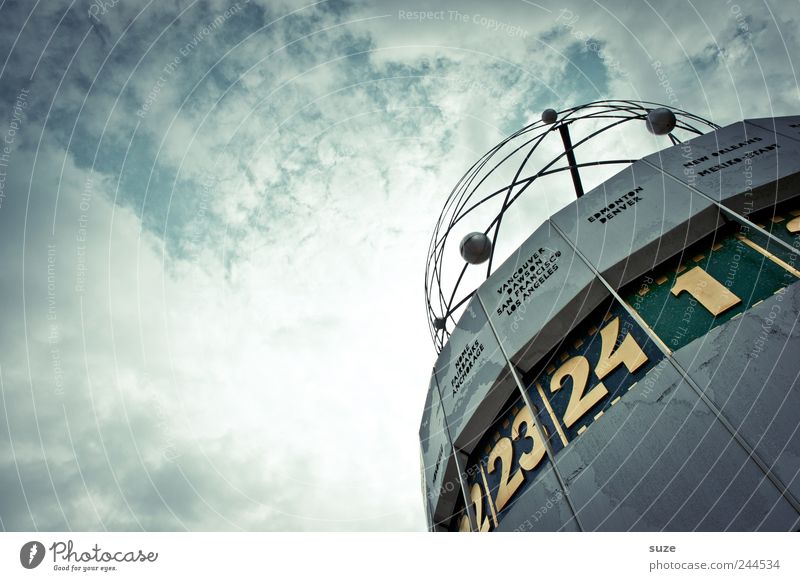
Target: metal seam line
<point x="488" y="496"/>
<point x="552" y="414"/>
<point x="467" y="499"/>
<point x="772" y="129"/>
<point x="461" y="473"/>
<point x="768" y="254"/>
<point x="727" y="211"/>
<point x="687" y="378"/>
<point x="534" y="414"/>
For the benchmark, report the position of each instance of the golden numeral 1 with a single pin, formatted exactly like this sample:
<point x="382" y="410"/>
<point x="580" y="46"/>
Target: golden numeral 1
<point x="707" y="290"/>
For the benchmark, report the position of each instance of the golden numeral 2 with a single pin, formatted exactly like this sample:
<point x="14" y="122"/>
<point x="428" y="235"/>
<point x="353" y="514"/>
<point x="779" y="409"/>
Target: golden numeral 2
<point x="628" y="353"/>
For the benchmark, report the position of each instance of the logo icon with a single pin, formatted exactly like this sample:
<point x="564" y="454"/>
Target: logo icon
<point x="31" y="554"/>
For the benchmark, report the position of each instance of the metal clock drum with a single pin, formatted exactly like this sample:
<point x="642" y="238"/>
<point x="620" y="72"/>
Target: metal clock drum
<point x="633" y="364"/>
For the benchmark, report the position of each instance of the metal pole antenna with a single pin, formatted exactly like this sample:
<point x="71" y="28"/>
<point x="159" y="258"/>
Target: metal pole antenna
<point x="563" y="129"/>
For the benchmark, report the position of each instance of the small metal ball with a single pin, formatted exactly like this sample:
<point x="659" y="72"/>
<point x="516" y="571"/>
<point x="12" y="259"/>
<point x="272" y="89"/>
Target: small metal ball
<point x="660" y="121"/>
<point x="439" y="323"/>
<point x="549" y="116"/>
<point x="476" y="248"/>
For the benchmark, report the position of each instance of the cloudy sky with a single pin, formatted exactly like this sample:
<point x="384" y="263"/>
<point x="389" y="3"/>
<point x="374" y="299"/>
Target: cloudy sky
<point x="214" y="218"/>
